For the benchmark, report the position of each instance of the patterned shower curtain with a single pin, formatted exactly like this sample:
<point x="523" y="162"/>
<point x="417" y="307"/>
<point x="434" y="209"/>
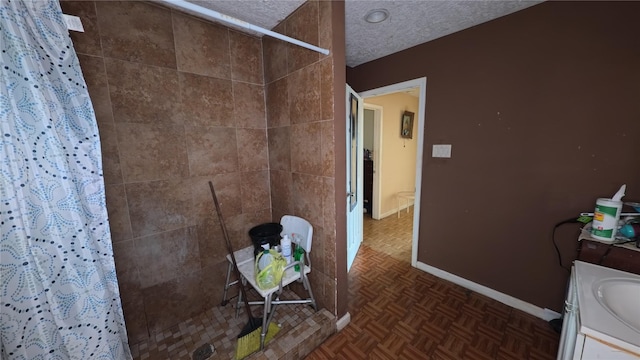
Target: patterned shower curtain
<point x="59" y="294"/>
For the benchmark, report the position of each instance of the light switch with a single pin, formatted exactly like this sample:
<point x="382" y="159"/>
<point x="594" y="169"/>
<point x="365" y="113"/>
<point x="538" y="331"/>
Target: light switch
<point x="441" y="151"/>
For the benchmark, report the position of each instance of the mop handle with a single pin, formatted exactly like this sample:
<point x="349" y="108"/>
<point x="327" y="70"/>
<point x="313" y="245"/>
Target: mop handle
<point x="230" y="250"/>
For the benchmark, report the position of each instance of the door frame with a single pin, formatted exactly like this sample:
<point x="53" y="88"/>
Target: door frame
<point x="420" y="83"/>
<point x="377" y="156"/>
<point x="354" y="212"/>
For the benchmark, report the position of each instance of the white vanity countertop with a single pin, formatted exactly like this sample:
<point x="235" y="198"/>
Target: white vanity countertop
<point x="595" y="320"/>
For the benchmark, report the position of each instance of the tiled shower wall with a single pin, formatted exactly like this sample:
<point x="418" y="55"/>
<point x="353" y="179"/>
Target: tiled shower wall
<point x="300" y="122"/>
<point x="179" y="102"/>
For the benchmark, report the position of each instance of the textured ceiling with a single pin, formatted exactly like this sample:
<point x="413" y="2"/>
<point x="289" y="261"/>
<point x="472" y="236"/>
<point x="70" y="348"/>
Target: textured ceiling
<point x="264" y="13"/>
<point x="410" y="22"/>
<point x="414" y="22"/>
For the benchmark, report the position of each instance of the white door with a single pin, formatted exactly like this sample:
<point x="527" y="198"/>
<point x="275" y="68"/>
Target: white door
<point x="354" y="174"/>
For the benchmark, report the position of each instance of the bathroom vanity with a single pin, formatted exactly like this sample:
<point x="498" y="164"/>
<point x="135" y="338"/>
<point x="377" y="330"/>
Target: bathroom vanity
<point x="601" y="315"/>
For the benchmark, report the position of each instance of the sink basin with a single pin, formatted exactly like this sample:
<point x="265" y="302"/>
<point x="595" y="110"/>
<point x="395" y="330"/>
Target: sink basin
<point x="621" y="298"/>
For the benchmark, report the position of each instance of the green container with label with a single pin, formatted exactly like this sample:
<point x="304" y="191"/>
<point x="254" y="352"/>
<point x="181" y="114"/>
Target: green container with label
<point x="605" y="219"/>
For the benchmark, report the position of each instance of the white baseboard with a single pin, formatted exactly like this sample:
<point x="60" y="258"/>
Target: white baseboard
<point x="343" y="321"/>
<point x="545" y="314"/>
<point x="394" y="212"/>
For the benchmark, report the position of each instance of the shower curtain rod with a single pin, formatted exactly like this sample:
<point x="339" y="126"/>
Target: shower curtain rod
<point x="214" y="15"/>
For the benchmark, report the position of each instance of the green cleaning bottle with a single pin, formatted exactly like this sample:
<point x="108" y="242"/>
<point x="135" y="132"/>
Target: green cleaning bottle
<point x="297" y="256"/>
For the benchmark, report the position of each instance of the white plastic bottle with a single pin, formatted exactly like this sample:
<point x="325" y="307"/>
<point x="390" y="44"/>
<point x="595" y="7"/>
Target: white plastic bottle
<point x="285" y="244"/>
<point x="265" y="259"/>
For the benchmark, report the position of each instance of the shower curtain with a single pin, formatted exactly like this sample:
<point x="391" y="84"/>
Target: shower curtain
<point x="59" y="294"/>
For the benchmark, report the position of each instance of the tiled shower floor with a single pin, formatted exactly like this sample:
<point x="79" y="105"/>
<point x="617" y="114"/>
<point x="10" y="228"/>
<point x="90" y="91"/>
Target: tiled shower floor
<point x="219" y="326"/>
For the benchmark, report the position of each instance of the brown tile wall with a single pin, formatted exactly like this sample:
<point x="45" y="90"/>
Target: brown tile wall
<point x="300" y="126"/>
<point x="179" y="102"/>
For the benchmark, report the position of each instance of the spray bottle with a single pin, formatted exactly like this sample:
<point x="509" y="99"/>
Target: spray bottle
<point x="297" y="256"/>
<point x="285" y="243"/>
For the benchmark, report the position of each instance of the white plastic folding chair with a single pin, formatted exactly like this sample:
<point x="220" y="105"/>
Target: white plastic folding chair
<point x="242" y="256"/>
<point x="301" y="233"/>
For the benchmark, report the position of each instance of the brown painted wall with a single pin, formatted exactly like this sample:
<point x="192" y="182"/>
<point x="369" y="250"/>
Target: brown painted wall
<point x="542" y="109"/>
<point x="180" y="101"/>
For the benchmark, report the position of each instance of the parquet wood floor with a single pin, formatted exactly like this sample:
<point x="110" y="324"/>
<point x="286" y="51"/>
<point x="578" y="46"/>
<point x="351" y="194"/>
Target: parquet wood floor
<point x="390" y="235"/>
<point x="399" y="312"/>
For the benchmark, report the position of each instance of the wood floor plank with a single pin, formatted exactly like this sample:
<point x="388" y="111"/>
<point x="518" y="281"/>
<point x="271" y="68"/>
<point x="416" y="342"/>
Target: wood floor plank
<point x="399" y="312"/>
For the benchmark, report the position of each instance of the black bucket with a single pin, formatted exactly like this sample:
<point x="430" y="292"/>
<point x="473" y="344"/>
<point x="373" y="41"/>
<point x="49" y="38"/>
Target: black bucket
<point x="268" y="233"/>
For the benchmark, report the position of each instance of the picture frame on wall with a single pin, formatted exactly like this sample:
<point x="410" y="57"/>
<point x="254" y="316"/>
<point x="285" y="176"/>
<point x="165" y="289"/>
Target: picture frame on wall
<point x="406" y="125"/>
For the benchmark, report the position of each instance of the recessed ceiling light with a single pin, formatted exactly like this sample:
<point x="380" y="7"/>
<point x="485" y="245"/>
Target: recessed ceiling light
<point x="377" y="15"/>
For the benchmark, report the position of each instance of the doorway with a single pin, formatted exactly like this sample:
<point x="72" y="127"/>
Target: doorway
<point x="372" y="154"/>
<point x="378" y="210"/>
